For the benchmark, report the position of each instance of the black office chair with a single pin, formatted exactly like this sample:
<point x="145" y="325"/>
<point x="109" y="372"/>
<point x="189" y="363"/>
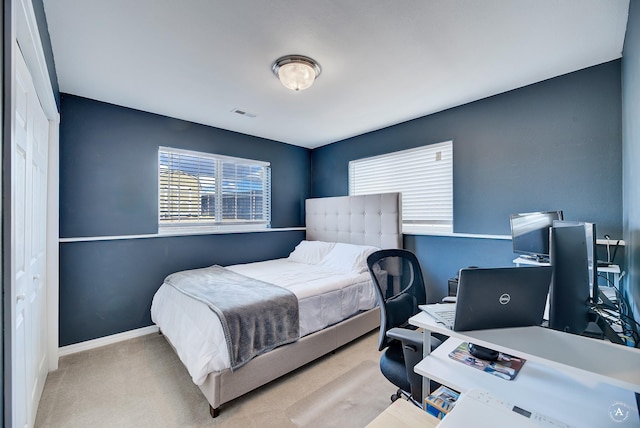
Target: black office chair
<point x="400" y="288"/>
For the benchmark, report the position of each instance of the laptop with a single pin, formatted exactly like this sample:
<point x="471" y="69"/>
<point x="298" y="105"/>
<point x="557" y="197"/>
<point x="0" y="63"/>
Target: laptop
<point x="495" y="298"/>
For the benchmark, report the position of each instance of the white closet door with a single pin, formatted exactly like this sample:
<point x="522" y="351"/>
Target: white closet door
<point x="29" y="178"/>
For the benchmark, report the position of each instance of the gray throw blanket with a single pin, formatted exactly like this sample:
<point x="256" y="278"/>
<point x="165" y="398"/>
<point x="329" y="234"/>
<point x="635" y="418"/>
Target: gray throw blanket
<point x="256" y="316"/>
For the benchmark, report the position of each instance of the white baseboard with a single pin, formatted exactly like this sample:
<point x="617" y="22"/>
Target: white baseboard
<point x="108" y="340"/>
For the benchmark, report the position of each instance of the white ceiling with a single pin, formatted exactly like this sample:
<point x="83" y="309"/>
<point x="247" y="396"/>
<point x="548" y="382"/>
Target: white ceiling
<point x="383" y="61"/>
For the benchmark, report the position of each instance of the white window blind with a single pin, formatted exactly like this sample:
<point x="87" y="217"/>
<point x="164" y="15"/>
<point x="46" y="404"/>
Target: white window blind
<point x="424" y="175"/>
<point x="205" y="190"/>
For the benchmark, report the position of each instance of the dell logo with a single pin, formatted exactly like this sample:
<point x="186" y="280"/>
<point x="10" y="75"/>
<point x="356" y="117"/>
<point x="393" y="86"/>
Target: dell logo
<point x="504" y="299"/>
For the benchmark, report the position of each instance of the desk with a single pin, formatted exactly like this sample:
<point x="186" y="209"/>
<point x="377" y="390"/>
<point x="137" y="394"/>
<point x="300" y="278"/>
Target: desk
<point x="479" y="409"/>
<point x="586" y="376"/>
<point x="613" y="270"/>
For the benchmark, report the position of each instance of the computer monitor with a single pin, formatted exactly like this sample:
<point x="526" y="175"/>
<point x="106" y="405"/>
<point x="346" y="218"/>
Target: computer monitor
<point x="530" y="233"/>
<point x="574" y="286"/>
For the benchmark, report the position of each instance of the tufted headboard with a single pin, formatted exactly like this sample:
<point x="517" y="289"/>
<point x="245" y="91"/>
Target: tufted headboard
<point x="364" y="220"/>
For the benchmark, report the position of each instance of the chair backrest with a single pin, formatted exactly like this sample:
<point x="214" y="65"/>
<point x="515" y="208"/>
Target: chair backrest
<point x="399" y="286"/>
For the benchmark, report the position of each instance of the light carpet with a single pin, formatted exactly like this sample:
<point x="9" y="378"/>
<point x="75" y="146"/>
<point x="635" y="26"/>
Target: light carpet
<point x="142" y="383"/>
<point x="356" y="395"/>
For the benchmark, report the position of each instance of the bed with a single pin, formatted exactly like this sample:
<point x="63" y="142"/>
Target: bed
<point x="335" y="304"/>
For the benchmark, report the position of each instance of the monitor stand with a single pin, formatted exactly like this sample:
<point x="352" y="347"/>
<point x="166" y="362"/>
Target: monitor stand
<point x="537" y="259"/>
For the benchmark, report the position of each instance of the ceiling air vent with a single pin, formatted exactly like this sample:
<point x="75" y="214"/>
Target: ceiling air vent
<point x="242" y="112"/>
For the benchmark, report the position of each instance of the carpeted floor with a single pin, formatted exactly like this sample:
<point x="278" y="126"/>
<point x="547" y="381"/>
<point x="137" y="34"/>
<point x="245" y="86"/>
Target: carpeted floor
<point x="349" y="395"/>
<point x="142" y="383"/>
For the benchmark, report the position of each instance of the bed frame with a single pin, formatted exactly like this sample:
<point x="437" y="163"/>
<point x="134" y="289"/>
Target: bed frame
<point x="363" y="220"/>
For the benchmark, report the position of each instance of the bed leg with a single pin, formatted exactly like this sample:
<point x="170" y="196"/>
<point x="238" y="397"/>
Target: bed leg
<point x="214" y="412"/>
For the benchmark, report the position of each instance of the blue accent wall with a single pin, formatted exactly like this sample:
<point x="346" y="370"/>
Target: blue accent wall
<point x="109" y="187"/>
<point x="631" y="152"/>
<point x="109" y="167"/>
<point x="106" y="287"/>
<point x="441" y="257"/>
<point x="552" y="145"/>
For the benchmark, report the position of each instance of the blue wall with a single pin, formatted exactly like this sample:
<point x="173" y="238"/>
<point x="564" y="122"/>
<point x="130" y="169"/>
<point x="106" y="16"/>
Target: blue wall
<point x="106" y="287"/>
<point x="631" y="151"/>
<point x="109" y="167"/>
<point x="552" y="145"/>
<point x="108" y="186"/>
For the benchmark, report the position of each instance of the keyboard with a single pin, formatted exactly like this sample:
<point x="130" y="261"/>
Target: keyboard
<point x="444" y="313"/>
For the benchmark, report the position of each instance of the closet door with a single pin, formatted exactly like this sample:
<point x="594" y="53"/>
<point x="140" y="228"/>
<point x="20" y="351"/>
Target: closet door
<point x="29" y="202"/>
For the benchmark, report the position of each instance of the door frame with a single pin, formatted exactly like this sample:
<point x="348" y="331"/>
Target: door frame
<point x="21" y="27"/>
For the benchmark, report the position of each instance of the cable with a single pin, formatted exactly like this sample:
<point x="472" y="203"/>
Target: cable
<point x="620" y="316"/>
<point x="625" y="320"/>
<point x="626" y="330"/>
<point x="611" y="283"/>
<point x="615" y="250"/>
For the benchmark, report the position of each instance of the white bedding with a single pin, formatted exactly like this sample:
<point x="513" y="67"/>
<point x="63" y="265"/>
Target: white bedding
<point x="325" y="297"/>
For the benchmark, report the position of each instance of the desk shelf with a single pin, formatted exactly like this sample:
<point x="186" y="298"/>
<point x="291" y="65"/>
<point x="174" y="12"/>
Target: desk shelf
<point x="537" y="387"/>
<point x="579" y="356"/>
<point x="571" y="378"/>
<point x="613" y="270"/>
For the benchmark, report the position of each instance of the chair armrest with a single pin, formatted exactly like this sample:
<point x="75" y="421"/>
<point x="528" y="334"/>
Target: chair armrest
<point x="414" y="338"/>
<point x="449" y="299"/>
<point x="406" y="336"/>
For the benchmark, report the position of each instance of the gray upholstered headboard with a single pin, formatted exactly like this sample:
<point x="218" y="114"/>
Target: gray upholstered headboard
<point x="364" y="220"/>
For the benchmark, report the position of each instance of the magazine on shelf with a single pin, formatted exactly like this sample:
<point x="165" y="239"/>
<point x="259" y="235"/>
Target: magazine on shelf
<point x="505" y="366"/>
<point x="441" y="401"/>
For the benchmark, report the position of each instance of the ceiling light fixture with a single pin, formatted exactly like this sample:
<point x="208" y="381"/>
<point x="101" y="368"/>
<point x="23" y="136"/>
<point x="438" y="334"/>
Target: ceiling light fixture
<point x="296" y="72"/>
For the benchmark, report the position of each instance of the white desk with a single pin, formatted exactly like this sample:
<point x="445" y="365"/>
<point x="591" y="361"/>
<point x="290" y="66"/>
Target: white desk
<point x="565" y="376"/>
<point x="613" y="270"/>
<point x="470" y="412"/>
<point x="537" y="388"/>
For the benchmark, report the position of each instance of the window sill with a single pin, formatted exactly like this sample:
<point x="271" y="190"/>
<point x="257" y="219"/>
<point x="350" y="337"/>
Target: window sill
<point x="497" y="237"/>
<point x="175" y="230"/>
<point x="458" y="235"/>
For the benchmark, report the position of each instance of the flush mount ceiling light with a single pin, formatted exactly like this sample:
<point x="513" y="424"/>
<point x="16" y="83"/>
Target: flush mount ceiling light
<point x="296" y="72"/>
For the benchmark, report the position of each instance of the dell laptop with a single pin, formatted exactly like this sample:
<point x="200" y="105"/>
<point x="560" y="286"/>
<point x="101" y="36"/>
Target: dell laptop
<point x="496" y="298"/>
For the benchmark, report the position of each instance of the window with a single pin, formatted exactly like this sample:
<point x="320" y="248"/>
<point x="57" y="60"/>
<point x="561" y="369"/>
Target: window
<point x="207" y="190"/>
<point x="424" y="175"/>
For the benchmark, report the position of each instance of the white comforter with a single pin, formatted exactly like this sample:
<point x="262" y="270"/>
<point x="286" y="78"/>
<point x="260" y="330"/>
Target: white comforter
<point x="325" y="298"/>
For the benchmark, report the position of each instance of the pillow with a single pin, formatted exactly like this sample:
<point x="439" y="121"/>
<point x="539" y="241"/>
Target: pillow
<point x="310" y="252"/>
<point x="347" y="258"/>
